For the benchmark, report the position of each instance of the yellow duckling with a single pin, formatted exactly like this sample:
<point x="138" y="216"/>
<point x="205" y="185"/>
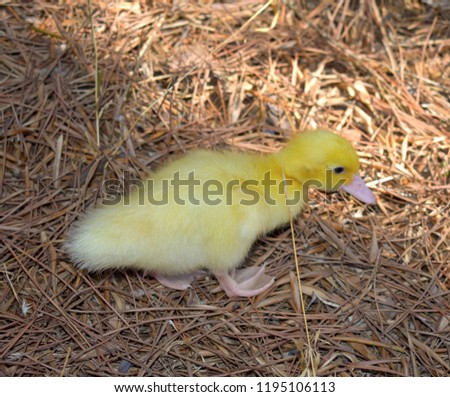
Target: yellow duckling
<point x="206" y="209"/>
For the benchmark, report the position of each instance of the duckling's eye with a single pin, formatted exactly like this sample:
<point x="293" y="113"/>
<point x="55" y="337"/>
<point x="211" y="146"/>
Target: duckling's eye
<point x="339" y="170"/>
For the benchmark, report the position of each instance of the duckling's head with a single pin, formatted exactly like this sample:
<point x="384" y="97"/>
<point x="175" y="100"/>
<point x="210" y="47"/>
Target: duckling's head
<point x="326" y="161"/>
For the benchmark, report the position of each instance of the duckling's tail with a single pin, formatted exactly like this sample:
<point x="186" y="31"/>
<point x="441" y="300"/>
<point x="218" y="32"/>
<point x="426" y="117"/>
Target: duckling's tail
<point x="95" y="244"/>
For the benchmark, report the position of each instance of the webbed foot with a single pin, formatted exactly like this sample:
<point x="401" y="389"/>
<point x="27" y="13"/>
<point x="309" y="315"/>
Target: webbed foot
<point x="247" y="282"/>
<point x="177" y="281"/>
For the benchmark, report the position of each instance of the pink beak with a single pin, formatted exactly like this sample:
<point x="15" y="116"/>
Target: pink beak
<point x="358" y="188"/>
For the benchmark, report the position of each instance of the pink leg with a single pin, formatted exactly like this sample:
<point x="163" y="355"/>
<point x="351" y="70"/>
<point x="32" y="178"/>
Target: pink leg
<point x="246" y="282"/>
<point x="178" y="281"/>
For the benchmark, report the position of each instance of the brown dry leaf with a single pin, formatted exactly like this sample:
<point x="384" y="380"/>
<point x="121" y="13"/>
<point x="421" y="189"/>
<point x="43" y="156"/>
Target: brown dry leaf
<point x="374" y="249"/>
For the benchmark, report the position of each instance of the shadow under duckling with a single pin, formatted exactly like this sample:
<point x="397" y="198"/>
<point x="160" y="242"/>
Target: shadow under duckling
<point x="206" y="209"/>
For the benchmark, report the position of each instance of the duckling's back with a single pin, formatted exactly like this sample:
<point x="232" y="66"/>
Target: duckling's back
<point x="187" y="216"/>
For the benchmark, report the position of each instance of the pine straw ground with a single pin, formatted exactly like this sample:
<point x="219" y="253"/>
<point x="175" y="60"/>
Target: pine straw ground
<point x="86" y="99"/>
